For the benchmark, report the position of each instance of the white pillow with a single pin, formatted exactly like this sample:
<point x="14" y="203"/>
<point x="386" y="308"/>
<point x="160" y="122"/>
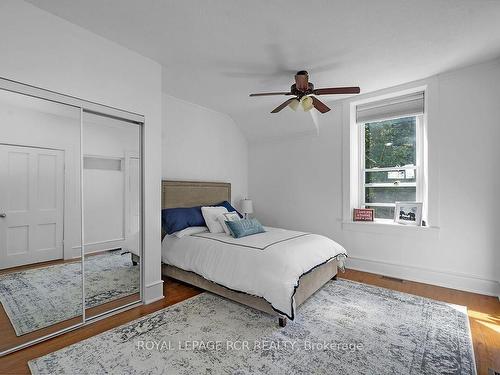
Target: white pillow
<point x="231" y="216"/>
<point x="189" y="231"/>
<point x="211" y="214"/>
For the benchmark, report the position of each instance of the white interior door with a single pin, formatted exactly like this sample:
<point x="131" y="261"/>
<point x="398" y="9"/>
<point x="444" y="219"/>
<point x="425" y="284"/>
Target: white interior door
<point x="31" y="205"/>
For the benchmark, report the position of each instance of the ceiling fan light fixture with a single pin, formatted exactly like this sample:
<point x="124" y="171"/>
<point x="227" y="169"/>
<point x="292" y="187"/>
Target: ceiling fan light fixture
<point x="303" y="92"/>
<point x="307" y="103"/>
<point x="294" y="104"/>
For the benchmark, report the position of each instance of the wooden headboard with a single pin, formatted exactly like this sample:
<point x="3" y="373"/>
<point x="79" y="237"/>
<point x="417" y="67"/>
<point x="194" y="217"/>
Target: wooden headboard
<point x="193" y="193"/>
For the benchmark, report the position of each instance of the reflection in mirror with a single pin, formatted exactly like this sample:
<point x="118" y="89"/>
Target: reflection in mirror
<point x="111" y="206"/>
<point x="40" y="218"/>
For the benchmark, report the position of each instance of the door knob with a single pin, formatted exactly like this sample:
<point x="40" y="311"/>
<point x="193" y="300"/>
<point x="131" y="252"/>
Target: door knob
<point x="3" y="215"/>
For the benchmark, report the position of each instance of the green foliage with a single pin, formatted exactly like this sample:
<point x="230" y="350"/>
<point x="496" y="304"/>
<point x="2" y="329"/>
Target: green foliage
<point x="383" y="212"/>
<point x="390" y="143"/>
<point x="389" y="194"/>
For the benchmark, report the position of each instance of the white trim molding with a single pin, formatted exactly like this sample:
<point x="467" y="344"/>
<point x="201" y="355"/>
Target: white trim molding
<point x="96" y="247"/>
<point x="390" y="227"/>
<point x="153" y="292"/>
<point x="444" y="278"/>
<point x="351" y="149"/>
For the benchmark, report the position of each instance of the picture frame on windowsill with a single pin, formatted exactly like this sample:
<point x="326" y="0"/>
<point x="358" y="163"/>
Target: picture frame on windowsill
<point x="363" y="214"/>
<point x="408" y="213"/>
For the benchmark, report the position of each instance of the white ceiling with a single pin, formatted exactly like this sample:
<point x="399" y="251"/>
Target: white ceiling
<point x="215" y="53"/>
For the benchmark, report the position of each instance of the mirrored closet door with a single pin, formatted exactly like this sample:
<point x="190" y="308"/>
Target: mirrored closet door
<point x="111" y="206"/>
<point x="70" y="213"/>
<point x="40" y="219"/>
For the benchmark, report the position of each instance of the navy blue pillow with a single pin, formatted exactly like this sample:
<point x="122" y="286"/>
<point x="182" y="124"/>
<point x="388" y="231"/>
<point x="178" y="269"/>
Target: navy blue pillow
<point x="176" y="219"/>
<point x="228" y="206"/>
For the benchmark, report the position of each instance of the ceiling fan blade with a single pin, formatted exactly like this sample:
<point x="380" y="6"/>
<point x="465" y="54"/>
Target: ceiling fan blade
<point x="319" y="105"/>
<point x="337" y="90"/>
<point x="281" y="106"/>
<point x="271" y="93"/>
<point x="302" y="81"/>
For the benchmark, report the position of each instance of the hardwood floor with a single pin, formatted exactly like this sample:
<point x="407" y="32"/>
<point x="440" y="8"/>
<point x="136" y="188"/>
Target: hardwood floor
<point x="484" y="317"/>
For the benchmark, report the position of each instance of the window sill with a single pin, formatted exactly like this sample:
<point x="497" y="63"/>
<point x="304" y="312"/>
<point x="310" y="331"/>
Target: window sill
<point x="388" y="227"/>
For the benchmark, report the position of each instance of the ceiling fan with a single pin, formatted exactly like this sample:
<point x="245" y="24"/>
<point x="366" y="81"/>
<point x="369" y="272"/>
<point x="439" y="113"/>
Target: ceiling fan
<point x="305" y="94"/>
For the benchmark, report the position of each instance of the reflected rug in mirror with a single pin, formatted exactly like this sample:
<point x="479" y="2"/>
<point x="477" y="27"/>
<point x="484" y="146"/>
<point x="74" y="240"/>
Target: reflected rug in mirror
<point x="40" y="297"/>
<point x="345" y="328"/>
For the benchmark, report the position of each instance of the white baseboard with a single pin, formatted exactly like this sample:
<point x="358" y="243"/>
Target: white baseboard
<point x="153" y="292"/>
<point x="445" y="279"/>
<point x="96" y="247"/>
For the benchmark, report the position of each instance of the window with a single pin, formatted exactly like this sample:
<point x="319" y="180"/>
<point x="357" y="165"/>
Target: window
<point x="95" y="162"/>
<point x="391" y="146"/>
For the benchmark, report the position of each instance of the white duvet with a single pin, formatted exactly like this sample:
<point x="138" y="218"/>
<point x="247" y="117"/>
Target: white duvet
<point x="267" y="265"/>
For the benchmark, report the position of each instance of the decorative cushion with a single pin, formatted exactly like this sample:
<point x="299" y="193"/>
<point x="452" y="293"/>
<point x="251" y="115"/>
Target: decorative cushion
<point x="244" y="227"/>
<point x="176" y="219"/>
<point x="189" y="231"/>
<point x="229" y="216"/>
<point x="211" y="214"/>
<point x="229" y="207"/>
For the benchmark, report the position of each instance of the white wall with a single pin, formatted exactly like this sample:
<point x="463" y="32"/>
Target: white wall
<point x="41" y="49"/>
<point x="200" y="144"/>
<point x="297" y="183"/>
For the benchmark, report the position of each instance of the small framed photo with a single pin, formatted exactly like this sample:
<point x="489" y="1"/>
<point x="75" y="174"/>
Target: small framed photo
<point x="363" y="214"/>
<point x="409" y="213"/>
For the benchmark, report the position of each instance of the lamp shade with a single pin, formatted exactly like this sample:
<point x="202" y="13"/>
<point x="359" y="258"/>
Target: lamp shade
<point x="307" y="103"/>
<point x="246" y="206"/>
<point x="294" y="104"/>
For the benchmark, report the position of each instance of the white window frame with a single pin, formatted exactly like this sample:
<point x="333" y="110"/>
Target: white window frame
<point x="430" y="170"/>
<point x="419" y="166"/>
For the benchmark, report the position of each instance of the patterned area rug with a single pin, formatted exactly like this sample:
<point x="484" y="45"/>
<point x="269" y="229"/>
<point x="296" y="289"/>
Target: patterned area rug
<point x="345" y="328"/>
<point x="40" y="297"/>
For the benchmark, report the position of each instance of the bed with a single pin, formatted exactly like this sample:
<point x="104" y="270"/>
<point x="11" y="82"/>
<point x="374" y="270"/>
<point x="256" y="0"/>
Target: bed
<point x="252" y="270"/>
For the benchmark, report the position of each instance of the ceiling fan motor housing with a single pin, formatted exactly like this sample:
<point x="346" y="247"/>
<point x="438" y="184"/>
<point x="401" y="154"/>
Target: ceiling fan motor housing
<point x="300" y="93"/>
<point x="301" y="84"/>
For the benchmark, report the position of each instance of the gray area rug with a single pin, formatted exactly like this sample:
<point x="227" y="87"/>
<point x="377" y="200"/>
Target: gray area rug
<point x="345" y="328"/>
<point x="40" y="297"/>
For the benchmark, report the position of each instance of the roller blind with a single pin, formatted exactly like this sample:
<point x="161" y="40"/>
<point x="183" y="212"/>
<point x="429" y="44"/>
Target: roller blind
<point x="411" y="104"/>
